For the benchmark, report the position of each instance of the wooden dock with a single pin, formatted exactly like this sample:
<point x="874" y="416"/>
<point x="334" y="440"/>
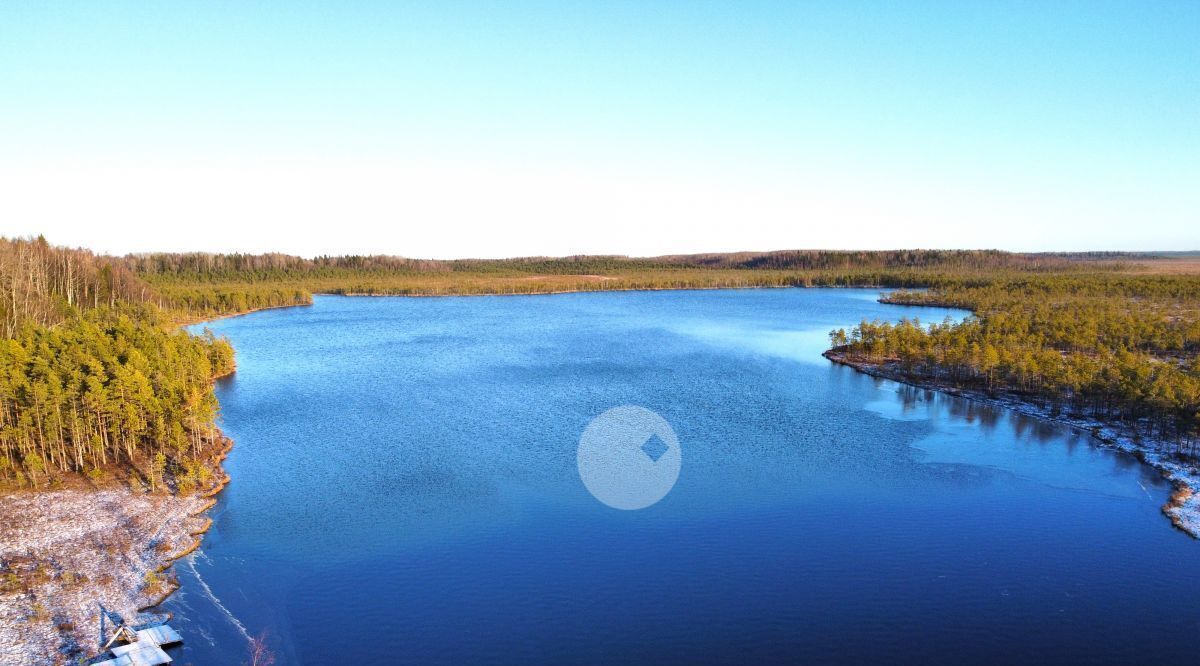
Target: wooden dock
<point x="146" y="649"/>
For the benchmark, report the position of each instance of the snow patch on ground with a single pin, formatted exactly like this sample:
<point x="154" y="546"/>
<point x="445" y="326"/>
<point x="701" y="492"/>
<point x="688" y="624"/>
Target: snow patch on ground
<point x="63" y="553"/>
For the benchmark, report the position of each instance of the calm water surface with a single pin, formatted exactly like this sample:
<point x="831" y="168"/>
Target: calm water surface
<point x="405" y="491"/>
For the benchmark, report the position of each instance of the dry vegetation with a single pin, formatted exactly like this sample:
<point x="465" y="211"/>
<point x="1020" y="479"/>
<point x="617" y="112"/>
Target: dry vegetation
<point x="1184" y="265"/>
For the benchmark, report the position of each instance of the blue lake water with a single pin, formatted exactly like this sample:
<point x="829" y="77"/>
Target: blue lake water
<point x="405" y="490"/>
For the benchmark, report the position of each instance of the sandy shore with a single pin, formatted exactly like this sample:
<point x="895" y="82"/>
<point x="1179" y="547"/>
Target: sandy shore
<point x="1183" y="508"/>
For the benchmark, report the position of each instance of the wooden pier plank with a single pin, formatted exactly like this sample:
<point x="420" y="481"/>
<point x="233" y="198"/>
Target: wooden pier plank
<point x="143" y="654"/>
<point x="146" y="650"/>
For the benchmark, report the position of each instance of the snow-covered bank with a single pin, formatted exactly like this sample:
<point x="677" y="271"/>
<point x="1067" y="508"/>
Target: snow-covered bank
<point x="63" y="553"/>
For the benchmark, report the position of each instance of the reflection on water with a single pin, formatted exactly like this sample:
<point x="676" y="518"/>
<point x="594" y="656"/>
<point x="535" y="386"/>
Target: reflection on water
<point x="405" y="491"/>
<point x="1033" y="448"/>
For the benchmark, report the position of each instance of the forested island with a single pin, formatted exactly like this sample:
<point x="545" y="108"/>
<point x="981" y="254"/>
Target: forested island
<point x="101" y="391"/>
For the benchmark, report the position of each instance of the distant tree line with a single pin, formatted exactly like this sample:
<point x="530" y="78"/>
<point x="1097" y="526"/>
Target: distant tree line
<point x="946" y="260"/>
<point x="197" y="266"/>
<point x="204" y="267"/>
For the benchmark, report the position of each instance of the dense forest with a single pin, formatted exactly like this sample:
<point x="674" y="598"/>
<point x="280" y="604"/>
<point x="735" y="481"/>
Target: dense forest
<point x="93" y="377"/>
<point x="95" y="373"/>
<point x="1115" y="347"/>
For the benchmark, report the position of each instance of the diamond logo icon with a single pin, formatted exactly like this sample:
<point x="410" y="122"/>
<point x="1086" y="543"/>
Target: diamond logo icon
<point x="654" y="448"/>
<point x="629" y="457"/>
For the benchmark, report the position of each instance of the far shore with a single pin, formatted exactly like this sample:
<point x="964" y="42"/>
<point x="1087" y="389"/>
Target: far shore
<point x="601" y="290"/>
<point x="598" y="290"/>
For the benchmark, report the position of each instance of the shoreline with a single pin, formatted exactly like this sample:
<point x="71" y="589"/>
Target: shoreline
<point x="197" y="534"/>
<point x="217" y="317"/>
<point x="558" y="292"/>
<point x="1182" y="507"/>
<point x="185" y="323"/>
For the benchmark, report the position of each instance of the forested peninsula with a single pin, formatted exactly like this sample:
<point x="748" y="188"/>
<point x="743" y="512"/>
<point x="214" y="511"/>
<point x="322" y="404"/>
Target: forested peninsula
<point x="1111" y="353"/>
<point x="103" y="392"/>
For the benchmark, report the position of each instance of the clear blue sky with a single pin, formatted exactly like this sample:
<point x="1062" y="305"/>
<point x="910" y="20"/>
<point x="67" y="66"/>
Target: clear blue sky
<point x="499" y="128"/>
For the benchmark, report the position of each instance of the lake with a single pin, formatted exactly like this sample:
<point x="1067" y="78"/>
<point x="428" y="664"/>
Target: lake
<point x="405" y="490"/>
